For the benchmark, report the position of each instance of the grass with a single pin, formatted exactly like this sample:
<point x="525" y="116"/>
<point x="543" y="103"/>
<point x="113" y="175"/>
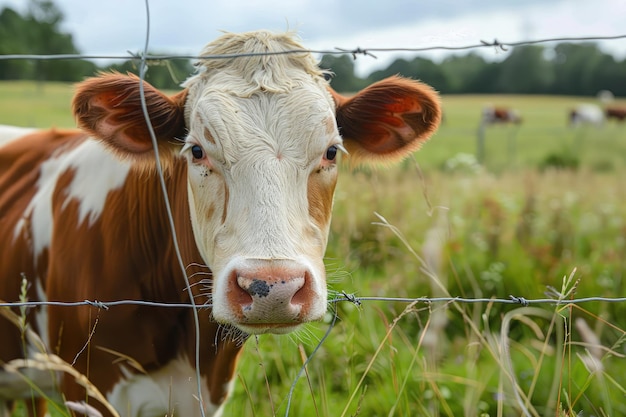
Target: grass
<point x="513" y="226"/>
<point x="28" y="104"/>
<point x="451" y="359"/>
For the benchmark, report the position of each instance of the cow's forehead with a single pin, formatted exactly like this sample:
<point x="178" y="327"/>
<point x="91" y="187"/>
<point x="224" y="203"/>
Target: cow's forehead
<point x="297" y="125"/>
<point x="263" y="91"/>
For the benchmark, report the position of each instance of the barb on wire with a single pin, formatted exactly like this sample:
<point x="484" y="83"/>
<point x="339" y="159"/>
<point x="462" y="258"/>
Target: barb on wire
<point x="354" y="52"/>
<point x="97" y="304"/>
<point x="351" y="298"/>
<point x="496" y="44"/>
<point x="504" y="46"/>
<point x="521" y="300"/>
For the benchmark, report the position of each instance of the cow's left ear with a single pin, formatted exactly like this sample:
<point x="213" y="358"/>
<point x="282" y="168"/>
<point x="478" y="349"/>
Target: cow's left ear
<point x="387" y="120"/>
<point x="109" y="107"/>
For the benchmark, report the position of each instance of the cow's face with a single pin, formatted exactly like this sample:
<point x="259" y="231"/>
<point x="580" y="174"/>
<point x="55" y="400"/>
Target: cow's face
<point x="261" y="139"/>
<point x="261" y="177"/>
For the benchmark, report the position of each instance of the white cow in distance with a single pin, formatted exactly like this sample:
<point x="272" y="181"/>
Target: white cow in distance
<point x="586" y="114"/>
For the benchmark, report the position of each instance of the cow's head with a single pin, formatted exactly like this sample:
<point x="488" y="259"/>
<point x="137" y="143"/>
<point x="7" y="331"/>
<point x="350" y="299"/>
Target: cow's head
<point x="262" y="136"/>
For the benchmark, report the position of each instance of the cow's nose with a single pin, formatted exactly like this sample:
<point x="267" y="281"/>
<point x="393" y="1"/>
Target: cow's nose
<point x="271" y="292"/>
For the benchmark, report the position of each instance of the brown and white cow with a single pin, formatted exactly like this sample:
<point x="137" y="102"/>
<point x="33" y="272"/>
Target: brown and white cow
<point x="500" y="115"/>
<point x="615" y="112"/>
<point x="249" y="150"/>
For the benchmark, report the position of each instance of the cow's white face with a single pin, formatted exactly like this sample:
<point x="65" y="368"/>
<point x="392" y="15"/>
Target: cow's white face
<point x="261" y="177"/>
<point x="261" y="139"/>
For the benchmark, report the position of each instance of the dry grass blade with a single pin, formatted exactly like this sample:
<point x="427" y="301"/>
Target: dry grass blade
<point x="49" y="362"/>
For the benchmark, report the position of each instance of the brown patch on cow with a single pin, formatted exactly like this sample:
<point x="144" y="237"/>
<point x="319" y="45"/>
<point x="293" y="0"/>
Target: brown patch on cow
<point x="320" y="195"/>
<point x="330" y="126"/>
<point x="210" y="211"/>
<point x="208" y="136"/>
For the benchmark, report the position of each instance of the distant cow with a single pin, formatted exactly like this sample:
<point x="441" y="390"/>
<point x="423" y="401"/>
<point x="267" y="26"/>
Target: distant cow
<point x="249" y="151"/>
<point x="586" y="114"/>
<point x="615" y="112"/>
<point x="500" y="115"/>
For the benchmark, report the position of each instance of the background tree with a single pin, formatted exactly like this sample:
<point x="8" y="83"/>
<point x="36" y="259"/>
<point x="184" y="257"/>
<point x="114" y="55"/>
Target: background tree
<point x="583" y="69"/>
<point x="11" y="42"/>
<point x="463" y="73"/>
<point x="38" y="32"/>
<point x="525" y="71"/>
<point x="344" y="78"/>
<point x="166" y="74"/>
<point x="418" y="68"/>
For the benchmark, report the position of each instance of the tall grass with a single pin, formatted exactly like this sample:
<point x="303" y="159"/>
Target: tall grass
<point x="525" y="234"/>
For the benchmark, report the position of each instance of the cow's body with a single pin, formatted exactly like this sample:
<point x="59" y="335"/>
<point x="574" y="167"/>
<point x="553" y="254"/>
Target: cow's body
<point x="500" y="115"/>
<point x="615" y="112"/>
<point x="8" y="133"/>
<point x="586" y="114"/>
<point x="248" y="150"/>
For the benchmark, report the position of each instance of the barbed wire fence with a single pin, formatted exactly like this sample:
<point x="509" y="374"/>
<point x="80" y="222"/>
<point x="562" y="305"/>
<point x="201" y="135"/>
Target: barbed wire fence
<point x="345" y="297"/>
<point x="554" y="298"/>
<point x="354" y="52"/>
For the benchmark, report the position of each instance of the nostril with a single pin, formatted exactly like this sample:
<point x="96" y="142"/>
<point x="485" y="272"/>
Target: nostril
<point x="304" y="292"/>
<point x="240" y="292"/>
<point x="299" y="297"/>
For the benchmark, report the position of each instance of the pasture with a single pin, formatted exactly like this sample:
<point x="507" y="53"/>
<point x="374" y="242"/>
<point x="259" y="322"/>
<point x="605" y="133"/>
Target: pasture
<point x="448" y="227"/>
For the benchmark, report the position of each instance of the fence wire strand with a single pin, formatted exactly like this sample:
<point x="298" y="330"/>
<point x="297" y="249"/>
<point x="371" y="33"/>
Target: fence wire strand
<point x="354" y="52"/>
<point x="347" y="297"/>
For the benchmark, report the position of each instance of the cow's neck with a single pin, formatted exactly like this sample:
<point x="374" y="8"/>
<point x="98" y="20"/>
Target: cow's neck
<point x="219" y="347"/>
<point x="153" y="252"/>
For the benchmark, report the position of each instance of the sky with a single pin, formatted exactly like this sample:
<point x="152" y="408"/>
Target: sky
<point x="114" y="27"/>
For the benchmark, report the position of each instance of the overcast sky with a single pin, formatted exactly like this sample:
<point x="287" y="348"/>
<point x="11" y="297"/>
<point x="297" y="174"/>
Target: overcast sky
<point x="113" y="27"/>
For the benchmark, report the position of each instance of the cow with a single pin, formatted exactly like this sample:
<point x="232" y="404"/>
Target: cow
<point x="500" y="115"/>
<point x="249" y="151"/>
<point x="615" y="112"/>
<point x="586" y="114"/>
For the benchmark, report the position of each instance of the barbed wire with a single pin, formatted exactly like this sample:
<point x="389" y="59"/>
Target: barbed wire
<point x="503" y="46"/>
<point x="346" y="297"/>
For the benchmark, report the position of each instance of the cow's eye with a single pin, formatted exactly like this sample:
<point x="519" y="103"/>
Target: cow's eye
<point x="197" y="152"/>
<point x="331" y="153"/>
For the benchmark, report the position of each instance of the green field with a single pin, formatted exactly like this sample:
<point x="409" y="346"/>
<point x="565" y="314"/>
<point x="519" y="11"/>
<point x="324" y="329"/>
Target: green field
<point x="513" y="226"/>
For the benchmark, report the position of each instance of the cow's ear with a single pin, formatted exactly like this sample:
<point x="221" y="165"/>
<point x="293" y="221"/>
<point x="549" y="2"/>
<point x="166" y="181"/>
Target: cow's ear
<point x="109" y="107"/>
<point x="388" y="120"/>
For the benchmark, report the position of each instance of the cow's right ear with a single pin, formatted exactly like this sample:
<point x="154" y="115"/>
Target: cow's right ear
<point x="109" y="107"/>
<point x="388" y="120"/>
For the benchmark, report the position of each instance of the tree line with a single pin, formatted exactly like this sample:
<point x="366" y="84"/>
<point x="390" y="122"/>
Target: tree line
<point x="37" y="31"/>
<point x="564" y="69"/>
